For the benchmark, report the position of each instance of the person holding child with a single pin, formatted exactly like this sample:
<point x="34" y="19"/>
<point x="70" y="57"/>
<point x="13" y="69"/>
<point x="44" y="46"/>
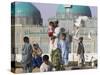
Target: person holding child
<point x="55" y="54"/>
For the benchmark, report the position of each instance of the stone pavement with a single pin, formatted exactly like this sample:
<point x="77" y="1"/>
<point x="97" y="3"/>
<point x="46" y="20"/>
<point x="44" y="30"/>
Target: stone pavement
<point x="20" y="70"/>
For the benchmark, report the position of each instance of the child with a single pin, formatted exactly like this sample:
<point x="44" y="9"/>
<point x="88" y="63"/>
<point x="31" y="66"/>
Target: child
<point x="37" y="59"/>
<point x="46" y="65"/>
<point x="50" y="29"/>
<point x="80" y="52"/>
<point x="64" y="47"/>
<point x="27" y="56"/>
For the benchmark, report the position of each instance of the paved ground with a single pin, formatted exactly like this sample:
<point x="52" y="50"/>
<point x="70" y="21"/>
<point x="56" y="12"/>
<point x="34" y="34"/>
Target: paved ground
<point x="20" y="70"/>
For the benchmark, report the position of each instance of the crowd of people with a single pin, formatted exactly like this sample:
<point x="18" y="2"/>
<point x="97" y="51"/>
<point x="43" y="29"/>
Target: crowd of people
<point x="59" y="45"/>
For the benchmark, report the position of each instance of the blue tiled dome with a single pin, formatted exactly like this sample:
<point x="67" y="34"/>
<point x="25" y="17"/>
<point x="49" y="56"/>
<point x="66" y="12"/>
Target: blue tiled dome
<point x="61" y="9"/>
<point x="24" y="9"/>
<point x="81" y="10"/>
<point x="76" y="9"/>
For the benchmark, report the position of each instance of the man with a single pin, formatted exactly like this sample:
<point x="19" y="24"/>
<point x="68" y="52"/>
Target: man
<point x="27" y="56"/>
<point x="64" y="47"/>
<point x="80" y="52"/>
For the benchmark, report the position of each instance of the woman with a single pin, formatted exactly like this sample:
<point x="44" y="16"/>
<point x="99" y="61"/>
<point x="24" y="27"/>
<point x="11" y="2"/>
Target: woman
<point x="37" y="59"/>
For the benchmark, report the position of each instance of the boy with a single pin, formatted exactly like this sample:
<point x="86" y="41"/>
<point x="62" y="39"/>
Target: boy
<point x="64" y="47"/>
<point x="27" y="56"/>
<point x="46" y="65"/>
<point x="80" y="52"/>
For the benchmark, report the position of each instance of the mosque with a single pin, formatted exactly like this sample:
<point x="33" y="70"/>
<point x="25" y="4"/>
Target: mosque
<point x="26" y="20"/>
